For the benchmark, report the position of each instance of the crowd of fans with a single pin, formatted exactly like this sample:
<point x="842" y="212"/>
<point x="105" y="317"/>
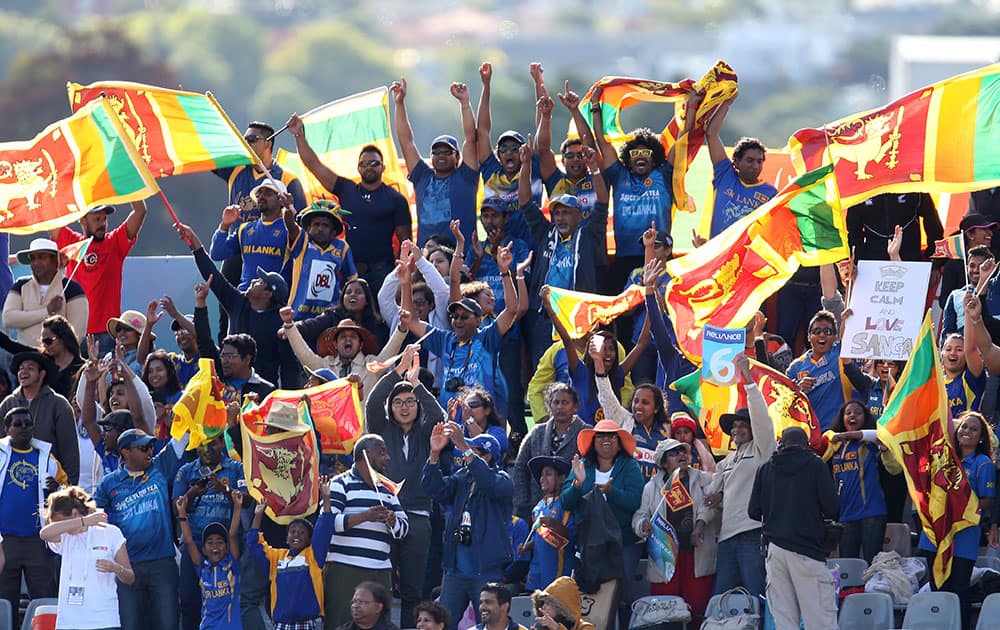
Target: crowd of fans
<point x="491" y="504"/>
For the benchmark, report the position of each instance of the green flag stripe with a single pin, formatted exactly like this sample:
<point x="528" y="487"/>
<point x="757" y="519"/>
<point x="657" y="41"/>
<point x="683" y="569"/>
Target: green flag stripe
<point x="919" y="370"/>
<point x="122" y="173"/>
<point x="815" y="218"/>
<point x="348" y="131"/>
<point x="214" y="132"/>
<point x="986" y="142"/>
<point x="808" y="179"/>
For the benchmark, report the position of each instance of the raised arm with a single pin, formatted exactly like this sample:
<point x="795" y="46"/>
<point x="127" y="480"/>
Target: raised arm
<point x="524" y="195"/>
<point x="608" y="154"/>
<point x="310" y="160"/>
<point x="508" y="315"/>
<point x="182" y="517"/>
<point x="571" y="357"/>
<point x="536" y="71"/>
<point x="88" y="409"/>
<point x="571" y="100"/>
<point x="457" y="260"/>
<point x="135" y="219"/>
<point x="146" y="337"/>
<point x="974" y="361"/>
<point x="713" y="133"/>
<point x="470" y="152"/>
<point x="291" y="226"/>
<point x="484" y="122"/>
<point x="543" y="141"/>
<point x="601" y="194"/>
<point x="404" y="133"/>
<point x="694" y="100"/>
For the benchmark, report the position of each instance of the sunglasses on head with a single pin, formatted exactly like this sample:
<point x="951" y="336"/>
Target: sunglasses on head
<point x="640" y="153"/>
<point x="821" y="331"/>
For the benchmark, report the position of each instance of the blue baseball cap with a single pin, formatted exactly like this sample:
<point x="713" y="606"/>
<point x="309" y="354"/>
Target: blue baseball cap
<point x="510" y="134"/>
<point x="215" y="527"/>
<point x="486" y="442"/>
<point x="495" y="203"/>
<point x="445" y="139"/>
<point x="105" y="208"/>
<point x="569" y="201"/>
<point x="134" y="437"/>
<point x="467" y="304"/>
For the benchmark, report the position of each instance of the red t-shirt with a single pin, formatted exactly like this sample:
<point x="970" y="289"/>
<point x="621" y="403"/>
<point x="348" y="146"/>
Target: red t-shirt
<point x="101" y="274"/>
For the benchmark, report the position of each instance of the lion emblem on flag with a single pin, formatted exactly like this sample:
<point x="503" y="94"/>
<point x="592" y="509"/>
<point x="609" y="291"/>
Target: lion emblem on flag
<point x="868" y="141"/>
<point x="29" y="182"/>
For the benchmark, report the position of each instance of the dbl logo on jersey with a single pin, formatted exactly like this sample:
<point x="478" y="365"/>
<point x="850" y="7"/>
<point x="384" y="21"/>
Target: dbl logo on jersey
<point x="322" y="280"/>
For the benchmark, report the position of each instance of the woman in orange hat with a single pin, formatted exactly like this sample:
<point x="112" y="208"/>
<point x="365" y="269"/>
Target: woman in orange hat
<point x="607" y="465"/>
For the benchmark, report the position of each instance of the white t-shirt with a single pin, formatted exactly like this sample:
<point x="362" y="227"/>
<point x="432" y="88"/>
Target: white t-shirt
<point x="601" y="477"/>
<point x="87" y="457"/>
<point x="98" y="607"/>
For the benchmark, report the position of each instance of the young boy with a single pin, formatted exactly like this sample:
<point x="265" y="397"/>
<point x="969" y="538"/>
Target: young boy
<point x="218" y="566"/>
<point x="296" y="594"/>
<point x="552" y="541"/>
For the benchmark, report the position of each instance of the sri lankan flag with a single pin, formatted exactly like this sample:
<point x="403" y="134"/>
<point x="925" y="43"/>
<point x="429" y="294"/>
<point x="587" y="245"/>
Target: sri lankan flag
<point x="941" y="138"/>
<point x="579" y="312"/>
<point x="914" y="426"/>
<point x="950" y="247"/>
<point x="173" y="131"/>
<point x="282" y="469"/>
<point x="74" y="164"/>
<point x="786" y="405"/>
<point x="620" y="93"/>
<point x="724" y="281"/>
<point x="338" y="130"/>
<point x="333" y="409"/>
<point x="200" y="410"/>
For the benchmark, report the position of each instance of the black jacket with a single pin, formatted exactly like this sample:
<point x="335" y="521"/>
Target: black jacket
<point x="792" y="493"/>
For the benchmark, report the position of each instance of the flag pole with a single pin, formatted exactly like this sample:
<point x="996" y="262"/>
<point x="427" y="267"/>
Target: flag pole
<point x="371" y="473"/>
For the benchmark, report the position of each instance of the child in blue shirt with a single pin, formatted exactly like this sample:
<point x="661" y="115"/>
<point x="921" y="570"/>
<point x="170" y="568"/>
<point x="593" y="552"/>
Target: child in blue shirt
<point x="552" y="541"/>
<point x="296" y="573"/>
<point x="218" y="566"/>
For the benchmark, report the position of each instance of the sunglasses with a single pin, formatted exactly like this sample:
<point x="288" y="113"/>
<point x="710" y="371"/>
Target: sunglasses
<point x="640" y="153"/>
<point x="606" y="436"/>
<point x="569" y="155"/>
<point x="145" y="447"/>
<point x="442" y="151"/>
<point x="821" y="331"/>
<point x="459" y="316"/>
<point x="509" y="148"/>
<point x="370" y="164"/>
<point x="675" y="452"/>
<point x="475" y="403"/>
<point x="254" y="138"/>
<point x="48" y="341"/>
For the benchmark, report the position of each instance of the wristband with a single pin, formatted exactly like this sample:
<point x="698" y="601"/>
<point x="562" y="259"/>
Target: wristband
<point x="287" y="325"/>
<point x="182" y="518"/>
<point x="458" y="255"/>
<point x="468" y="452"/>
<point x="519" y="278"/>
<point x="595" y="107"/>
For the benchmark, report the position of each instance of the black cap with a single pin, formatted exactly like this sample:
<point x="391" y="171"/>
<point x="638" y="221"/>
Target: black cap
<point x="467" y="304"/>
<point x="726" y="420"/>
<point x="119" y="419"/>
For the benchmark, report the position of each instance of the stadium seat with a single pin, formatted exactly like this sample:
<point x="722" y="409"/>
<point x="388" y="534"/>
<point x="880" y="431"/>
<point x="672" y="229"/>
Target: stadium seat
<point x="866" y="611"/>
<point x="33" y="607"/>
<point x="852" y="571"/>
<point x="522" y="611"/>
<point x="933" y="611"/>
<point x="897" y="538"/>
<point x="988" y="562"/>
<point x="989" y="614"/>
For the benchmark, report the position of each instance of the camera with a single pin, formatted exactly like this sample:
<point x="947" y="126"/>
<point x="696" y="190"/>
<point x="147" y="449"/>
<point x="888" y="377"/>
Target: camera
<point x="453" y="384"/>
<point x="462" y="535"/>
